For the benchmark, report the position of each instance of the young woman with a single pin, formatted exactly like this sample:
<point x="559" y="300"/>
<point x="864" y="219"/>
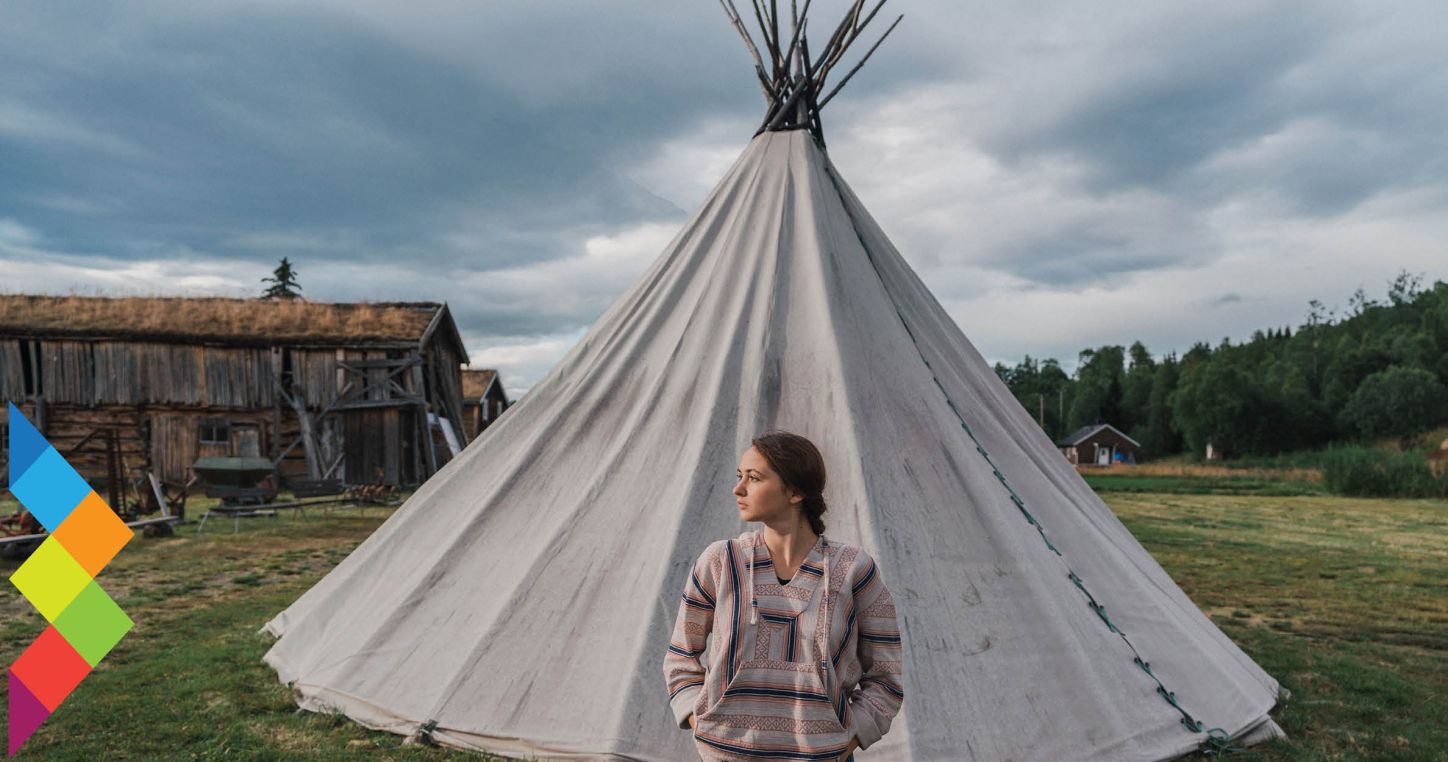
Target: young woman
<point x="804" y="650"/>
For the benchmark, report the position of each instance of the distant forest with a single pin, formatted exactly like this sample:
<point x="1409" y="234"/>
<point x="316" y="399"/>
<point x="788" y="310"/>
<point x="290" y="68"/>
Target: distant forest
<point x="1378" y="370"/>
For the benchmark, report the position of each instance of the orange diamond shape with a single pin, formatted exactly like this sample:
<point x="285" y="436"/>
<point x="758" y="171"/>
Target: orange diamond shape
<point x="93" y="534"/>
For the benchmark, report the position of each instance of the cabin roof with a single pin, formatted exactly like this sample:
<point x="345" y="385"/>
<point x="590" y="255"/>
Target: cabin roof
<point x="1086" y="432"/>
<point x="220" y="319"/>
<point x="476" y="382"/>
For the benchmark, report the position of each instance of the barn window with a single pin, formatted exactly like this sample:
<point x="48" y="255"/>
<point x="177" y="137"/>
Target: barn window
<point x="215" y="431"/>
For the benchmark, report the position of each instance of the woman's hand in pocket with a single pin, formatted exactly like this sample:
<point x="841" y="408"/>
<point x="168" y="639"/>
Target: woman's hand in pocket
<point x="854" y="744"/>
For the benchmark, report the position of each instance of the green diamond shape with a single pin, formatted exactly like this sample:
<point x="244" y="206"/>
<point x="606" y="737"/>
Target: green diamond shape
<point x="93" y="624"/>
<point x="50" y="579"/>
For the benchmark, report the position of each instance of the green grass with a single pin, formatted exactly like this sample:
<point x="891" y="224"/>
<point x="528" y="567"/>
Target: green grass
<point x="1343" y="600"/>
<point x="1202" y="485"/>
<point x="188" y="681"/>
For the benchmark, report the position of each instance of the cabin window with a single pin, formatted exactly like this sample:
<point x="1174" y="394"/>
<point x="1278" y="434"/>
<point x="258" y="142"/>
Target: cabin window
<point x="215" y="431"/>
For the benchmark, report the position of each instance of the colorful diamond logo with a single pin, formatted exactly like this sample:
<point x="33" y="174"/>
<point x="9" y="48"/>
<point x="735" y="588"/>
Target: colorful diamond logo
<point x="59" y="579"/>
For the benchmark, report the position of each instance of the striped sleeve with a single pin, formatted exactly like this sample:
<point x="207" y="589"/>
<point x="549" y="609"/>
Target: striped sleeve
<point x="877" y="698"/>
<point x="683" y="666"/>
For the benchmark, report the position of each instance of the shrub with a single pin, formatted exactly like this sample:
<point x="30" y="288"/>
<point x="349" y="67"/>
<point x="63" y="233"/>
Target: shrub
<point x="1363" y="472"/>
<point x="1394" y="402"/>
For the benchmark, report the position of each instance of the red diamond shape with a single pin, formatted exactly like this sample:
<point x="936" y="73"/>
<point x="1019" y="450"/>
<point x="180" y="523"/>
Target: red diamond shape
<point x="50" y="668"/>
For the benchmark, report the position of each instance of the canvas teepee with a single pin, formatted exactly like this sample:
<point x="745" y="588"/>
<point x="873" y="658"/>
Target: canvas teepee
<point x="520" y="602"/>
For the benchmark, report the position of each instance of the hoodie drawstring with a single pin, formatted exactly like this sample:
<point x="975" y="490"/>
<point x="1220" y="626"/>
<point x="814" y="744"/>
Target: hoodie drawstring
<point x="825" y="606"/>
<point x="753" y="597"/>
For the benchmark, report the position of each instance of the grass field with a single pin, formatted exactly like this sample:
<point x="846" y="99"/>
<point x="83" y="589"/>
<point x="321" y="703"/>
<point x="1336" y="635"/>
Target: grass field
<point x="1345" y="601"/>
<point x="1204" y="479"/>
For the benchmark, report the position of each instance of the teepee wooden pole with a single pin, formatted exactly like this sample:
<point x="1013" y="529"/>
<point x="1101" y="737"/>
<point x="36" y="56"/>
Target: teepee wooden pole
<point x="803" y="108"/>
<point x="796" y="78"/>
<point x="813" y="97"/>
<point x="800" y="19"/>
<point x="774" y="22"/>
<point x="868" y="53"/>
<point x="766" y="86"/>
<point x="733" y="14"/>
<point x="869" y="18"/>
<point x="835" y="38"/>
<point x="856" y="30"/>
<point x="761" y="17"/>
<point x="805" y="70"/>
<point x="855" y="18"/>
<point x="784" y="110"/>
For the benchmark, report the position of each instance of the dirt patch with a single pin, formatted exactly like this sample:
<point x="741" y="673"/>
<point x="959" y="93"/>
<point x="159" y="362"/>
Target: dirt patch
<point x="288" y="738"/>
<point x="1235" y="615"/>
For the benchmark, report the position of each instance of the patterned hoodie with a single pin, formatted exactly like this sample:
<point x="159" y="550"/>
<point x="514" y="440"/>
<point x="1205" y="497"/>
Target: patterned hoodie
<point x="792" y="672"/>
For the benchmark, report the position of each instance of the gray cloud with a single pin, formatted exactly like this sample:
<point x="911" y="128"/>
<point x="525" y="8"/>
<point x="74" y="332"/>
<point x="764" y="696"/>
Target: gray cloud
<point x="524" y="161"/>
<point x="264" y="127"/>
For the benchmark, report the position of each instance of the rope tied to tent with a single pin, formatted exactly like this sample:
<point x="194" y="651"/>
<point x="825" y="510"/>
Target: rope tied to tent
<point x="1097" y="607"/>
<point x="1218" y="741"/>
<point x="1219" y="744"/>
<point x="423" y="735"/>
<point x="1187" y="719"/>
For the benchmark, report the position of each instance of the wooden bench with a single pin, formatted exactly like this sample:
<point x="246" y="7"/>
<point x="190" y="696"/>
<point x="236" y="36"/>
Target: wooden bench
<point x="245" y="502"/>
<point x="330" y="489"/>
<point x="242" y="502"/>
<point x="325" y="492"/>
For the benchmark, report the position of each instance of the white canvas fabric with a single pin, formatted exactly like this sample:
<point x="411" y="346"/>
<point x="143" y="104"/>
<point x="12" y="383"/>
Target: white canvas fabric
<point x="521" y="600"/>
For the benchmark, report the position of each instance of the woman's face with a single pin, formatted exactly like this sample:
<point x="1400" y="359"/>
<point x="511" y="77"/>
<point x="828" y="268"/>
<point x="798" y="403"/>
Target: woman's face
<point x="760" y="492"/>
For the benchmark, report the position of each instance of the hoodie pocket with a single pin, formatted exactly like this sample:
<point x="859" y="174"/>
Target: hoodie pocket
<point x="773" y="709"/>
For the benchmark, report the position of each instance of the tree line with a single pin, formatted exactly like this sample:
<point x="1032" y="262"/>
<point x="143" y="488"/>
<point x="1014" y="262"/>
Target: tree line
<point x="1378" y="369"/>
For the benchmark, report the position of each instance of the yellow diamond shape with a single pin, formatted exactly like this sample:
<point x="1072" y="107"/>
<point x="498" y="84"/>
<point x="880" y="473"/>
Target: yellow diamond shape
<point x="50" y="579"/>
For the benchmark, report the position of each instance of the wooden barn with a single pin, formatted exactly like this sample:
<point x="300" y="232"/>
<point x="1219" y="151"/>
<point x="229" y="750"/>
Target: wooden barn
<point x="483" y="400"/>
<point x="368" y="393"/>
<point x="1099" y="444"/>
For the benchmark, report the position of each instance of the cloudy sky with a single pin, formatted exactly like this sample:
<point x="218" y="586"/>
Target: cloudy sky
<point x="1061" y="174"/>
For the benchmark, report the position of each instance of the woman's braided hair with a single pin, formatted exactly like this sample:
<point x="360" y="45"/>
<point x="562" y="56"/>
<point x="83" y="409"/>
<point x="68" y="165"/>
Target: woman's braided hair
<point x="800" y="465"/>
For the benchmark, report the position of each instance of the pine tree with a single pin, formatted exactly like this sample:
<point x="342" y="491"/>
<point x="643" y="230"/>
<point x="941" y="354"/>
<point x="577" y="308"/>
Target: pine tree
<point x="284" y="283"/>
